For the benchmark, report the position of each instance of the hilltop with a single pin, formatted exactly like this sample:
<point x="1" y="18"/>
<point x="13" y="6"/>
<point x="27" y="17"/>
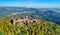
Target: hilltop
<point x="42" y="27"/>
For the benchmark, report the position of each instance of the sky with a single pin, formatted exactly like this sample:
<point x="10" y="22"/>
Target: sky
<point x="31" y="3"/>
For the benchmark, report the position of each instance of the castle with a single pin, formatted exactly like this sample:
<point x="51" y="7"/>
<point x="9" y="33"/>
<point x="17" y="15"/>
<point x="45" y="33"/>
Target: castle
<point x="22" y="20"/>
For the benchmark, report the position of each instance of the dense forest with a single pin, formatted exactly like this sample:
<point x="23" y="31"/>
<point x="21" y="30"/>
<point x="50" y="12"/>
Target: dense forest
<point x="42" y="27"/>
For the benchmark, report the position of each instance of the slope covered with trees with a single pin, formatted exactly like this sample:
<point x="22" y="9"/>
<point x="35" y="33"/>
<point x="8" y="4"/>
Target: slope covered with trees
<point x="42" y="27"/>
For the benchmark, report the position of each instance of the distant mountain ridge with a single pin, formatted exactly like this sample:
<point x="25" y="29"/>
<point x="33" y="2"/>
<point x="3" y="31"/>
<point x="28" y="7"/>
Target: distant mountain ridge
<point x="50" y="14"/>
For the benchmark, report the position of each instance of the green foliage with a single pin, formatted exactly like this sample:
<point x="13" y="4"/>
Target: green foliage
<point x="37" y="28"/>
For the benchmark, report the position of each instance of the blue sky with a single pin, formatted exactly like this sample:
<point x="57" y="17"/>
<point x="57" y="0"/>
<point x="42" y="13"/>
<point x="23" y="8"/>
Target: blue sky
<point x="31" y="3"/>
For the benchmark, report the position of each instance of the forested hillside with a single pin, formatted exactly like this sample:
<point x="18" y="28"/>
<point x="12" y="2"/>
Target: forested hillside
<point x="42" y="27"/>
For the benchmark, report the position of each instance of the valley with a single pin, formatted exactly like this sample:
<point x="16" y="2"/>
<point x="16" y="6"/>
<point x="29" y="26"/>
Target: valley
<point x="49" y="14"/>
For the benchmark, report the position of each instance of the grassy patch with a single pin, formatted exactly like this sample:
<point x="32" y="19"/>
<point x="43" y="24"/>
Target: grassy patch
<point x="1" y="33"/>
